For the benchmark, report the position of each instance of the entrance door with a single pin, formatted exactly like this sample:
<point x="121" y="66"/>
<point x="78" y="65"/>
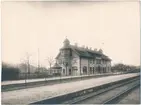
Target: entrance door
<point x="84" y="70"/>
<point x="69" y="71"/>
<point x="74" y="70"/>
<point x="99" y="69"/>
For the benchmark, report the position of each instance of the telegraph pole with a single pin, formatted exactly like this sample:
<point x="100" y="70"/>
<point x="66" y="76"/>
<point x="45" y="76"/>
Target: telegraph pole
<point x="28" y="66"/>
<point x="38" y="62"/>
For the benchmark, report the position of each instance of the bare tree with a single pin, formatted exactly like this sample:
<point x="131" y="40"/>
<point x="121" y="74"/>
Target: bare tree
<point x="50" y="62"/>
<point x="26" y="62"/>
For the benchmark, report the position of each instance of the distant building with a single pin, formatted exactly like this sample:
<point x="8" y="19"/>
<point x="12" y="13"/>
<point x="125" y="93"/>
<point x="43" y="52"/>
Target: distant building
<point x="74" y="60"/>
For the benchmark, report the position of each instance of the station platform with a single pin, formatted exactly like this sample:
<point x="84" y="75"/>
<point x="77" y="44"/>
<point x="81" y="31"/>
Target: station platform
<point x="31" y="95"/>
<point x="51" y="78"/>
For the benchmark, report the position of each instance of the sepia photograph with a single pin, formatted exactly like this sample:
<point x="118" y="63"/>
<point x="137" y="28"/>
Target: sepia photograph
<point x="70" y="52"/>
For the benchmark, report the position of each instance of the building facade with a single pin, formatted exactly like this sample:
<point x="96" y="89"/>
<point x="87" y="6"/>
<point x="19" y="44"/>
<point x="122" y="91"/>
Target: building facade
<point x="75" y="60"/>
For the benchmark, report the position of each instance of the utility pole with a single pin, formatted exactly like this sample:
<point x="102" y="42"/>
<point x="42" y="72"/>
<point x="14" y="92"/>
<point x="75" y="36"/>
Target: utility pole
<point x="25" y="68"/>
<point x="38" y="62"/>
<point x="28" y="66"/>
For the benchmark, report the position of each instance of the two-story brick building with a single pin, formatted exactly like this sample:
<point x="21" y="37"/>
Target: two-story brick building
<point x="76" y="60"/>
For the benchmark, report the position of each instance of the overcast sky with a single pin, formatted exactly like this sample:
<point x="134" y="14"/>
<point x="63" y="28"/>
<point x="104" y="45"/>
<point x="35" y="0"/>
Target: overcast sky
<point x="27" y="26"/>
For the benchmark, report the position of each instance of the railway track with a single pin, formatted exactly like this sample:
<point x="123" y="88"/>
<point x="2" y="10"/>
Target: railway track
<point x="118" y="97"/>
<point x="94" y="95"/>
<point x="132" y="97"/>
<point x="110" y="95"/>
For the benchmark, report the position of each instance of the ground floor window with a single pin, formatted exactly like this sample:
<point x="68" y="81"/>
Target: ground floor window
<point x="63" y="71"/>
<point x="104" y="69"/>
<point x="91" y="71"/>
<point x="84" y="70"/>
<point x="69" y="71"/>
<point x="99" y="70"/>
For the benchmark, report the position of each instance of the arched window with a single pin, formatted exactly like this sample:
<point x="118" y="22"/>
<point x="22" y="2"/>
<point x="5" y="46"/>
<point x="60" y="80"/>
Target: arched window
<point x="93" y="70"/>
<point x="64" y="71"/>
<point x="99" y="70"/>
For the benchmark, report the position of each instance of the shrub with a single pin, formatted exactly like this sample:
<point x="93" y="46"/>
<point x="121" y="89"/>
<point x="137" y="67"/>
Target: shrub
<point x="9" y="72"/>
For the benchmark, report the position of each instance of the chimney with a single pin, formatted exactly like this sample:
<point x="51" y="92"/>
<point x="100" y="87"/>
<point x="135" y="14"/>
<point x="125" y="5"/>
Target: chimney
<point x="95" y="49"/>
<point x="100" y="50"/>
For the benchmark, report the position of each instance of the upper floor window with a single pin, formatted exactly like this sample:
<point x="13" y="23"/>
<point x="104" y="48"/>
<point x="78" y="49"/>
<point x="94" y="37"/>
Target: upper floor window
<point x="74" y="61"/>
<point x="60" y="61"/>
<point x="66" y="52"/>
<point x="98" y="61"/>
<point x="91" y="60"/>
<point x="104" y="62"/>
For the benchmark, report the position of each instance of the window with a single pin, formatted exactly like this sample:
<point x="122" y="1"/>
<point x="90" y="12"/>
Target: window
<point x="62" y="52"/>
<point x="64" y="71"/>
<point x="70" y="53"/>
<point x="60" y="61"/>
<point x="74" y="61"/>
<point x="98" y="61"/>
<point x="84" y="70"/>
<point x="103" y="61"/>
<point x="65" y="52"/>
<point x="91" y="61"/>
<point x="74" y="67"/>
<point x="90" y="70"/>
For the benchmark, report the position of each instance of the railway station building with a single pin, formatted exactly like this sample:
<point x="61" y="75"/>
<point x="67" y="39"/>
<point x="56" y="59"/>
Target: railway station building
<point x="75" y="60"/>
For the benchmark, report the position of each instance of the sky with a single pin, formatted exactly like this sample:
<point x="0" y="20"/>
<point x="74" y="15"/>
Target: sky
<point x="28" y="26"/>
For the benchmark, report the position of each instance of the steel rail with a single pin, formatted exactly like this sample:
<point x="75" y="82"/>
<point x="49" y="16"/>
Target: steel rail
<point x="85" y="97"/>
<point x="78" y="96"/>
<point x="120" y="96"/>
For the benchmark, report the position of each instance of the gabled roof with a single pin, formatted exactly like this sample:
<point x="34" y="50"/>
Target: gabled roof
<point x="58" y="55"/>
<point x="84" y="52"/>
<point x="56" y="66"/>
<point x="87" y="53"/>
